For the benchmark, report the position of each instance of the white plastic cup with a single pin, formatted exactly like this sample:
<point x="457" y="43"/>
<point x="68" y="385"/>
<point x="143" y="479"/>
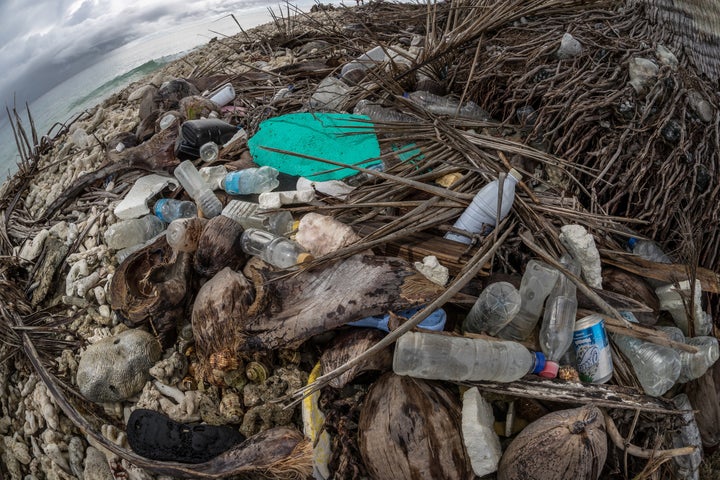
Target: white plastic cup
<point x="223" y="95"/>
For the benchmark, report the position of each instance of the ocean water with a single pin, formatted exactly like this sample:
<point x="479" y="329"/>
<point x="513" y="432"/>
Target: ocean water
<point x="125" y="65"/>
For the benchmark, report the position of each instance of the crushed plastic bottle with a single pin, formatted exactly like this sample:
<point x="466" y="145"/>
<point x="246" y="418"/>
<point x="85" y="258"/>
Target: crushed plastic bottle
<point x="483" y="209"/>
<point x="657" y="367"/>
<point x="251" y="180"/>
<point x="536" y="284"/>
<point x="496" y="306"/>
<point x="169" y="209"/>
<point x="275" y="250"/>
<point x="380" y="114"/>
<point x="442" y="357"/>
<point x="556" y="331"/>
<point x="447" y="106"/>
<point x="198" y="190"/>
<point x="434" y="322"/>
<point x="674" y="300"/>
<point x="132" y="232"/>
<point x="250" y="215"/>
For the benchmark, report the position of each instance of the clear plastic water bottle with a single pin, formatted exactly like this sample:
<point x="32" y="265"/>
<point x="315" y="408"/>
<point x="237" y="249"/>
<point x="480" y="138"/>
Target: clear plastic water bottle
<point x="434" y="322"/>
<point x="251" y="180"/>
<point x="536" y="284"/>
<point x="184" y="234"/>
<point x="648" y="250"/>
<point x="447" y="106"/>
<point x="192" y="182"/>
<point x="364" y="61"/>
<point x="674" y="299"/>
<point x="556" y="331"/>
<point x="209" y="152"/>
<point x="442" y="357"/>
<point x="169" y="209"/>
<point x="657" y="367"/>
<point x="381" y="114"/>
<point x="483" y="209"/>
<point x="275" y="250"/>
<point x="694" y="365"/>
<point x="249" y="215"/>
<point x="496" y="306"/>
<point x="687" y="467"/>
<point x="133" y="231"/>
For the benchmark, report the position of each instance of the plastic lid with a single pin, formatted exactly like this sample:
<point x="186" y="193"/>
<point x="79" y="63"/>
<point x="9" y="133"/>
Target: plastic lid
<point x="304" y="257"/>
<point x="550" y="370"/>
<point x="631" y="242"/>
<point x="516" y="174"/>
<point x="539" y="362"/>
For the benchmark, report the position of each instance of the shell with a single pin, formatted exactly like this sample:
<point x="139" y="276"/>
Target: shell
<point x="219" y="247"/>
<point x="564" y="444"/>
<point x="410" y="429"/>
<point x="256" y="372"/>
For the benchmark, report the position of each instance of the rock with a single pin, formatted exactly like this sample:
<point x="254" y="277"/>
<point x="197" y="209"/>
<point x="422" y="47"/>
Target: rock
<point x="321" y="234"/>
<point x="96" y="466"/>
<point x="433" y="270"/>
<point x="569" y="47"/>
<point x="701" y="107"/>
<point x="642" y="71"/>
<point x="666" y="57"/>
<point x="116" y="368"/>
<point x="582" y="247"/>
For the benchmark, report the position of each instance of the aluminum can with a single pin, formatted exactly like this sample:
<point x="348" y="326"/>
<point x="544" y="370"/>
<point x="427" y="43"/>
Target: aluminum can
<point x="592" y="350"/>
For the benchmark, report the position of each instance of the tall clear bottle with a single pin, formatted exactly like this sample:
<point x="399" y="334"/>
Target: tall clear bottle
<point x="657" y="367"/>
<point x="687" y="467"/>
<point x="483" y="209"/>
<point x="251" y="180"/>
<point x="249" y="215"/>
<point x="192" y="182"/>
<point x="556" y="331"/>
<point x="275" y="250"/>
<point x="694" y="365"/>
<point x="441" y="357"/>
<point x="447" y="106"/>
<point x="133" y="231"/>
<point x="380" y="114"/>
<point x="536" y="284"/>
<point x="169" y="209"/>
<point x="496" y="306"/>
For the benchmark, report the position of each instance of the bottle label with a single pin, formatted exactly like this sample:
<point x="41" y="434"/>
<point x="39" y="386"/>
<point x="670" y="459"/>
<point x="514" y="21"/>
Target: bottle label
<point x="592" y="350"/>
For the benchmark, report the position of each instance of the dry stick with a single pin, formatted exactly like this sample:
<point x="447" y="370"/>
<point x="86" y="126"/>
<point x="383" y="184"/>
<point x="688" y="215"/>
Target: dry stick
<point x="523" y="185"/>
<point x="473" y="266"/>
<point x="639" y="452"/>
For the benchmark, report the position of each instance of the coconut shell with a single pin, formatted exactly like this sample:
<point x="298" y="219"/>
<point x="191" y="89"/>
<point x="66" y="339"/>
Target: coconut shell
<point x="567" y="444"/>
<point x="410" y="429"/>
<point x="219" y="247"/>
<point x="217" y="315"/>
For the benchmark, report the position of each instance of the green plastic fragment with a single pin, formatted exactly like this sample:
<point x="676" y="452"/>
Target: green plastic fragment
<point x="340" y="137"/>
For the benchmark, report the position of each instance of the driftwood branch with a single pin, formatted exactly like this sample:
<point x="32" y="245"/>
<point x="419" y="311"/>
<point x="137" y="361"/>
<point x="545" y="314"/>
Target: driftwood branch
<point x="640" y="452"/>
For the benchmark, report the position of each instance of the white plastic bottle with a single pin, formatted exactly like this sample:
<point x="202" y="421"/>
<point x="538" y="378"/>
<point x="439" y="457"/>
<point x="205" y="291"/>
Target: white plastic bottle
<point x="483" y="209"/>
<point x="496" y="306"/>
<point x="275" y="250"/>
<point x="192" y="182"/>
<point x="657" y="367"/>
<point x="249" y="215"/>
<point x="133" y="231"/>
<point x="251" y="180"/>
<point x="688" y="435"/>
<point x="556" y="331"/>
<point x="447" y="106"/>
<point x="441" y="357"/>
<point x="536" y="284"/>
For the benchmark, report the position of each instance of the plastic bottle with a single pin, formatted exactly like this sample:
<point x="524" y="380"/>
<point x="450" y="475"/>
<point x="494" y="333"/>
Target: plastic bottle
<point x="381" y="114"/>
<point x="132" y="232"/>
<point x="674" y="299"/>
<point x="687" y="466"/>
<point x="447" y="106"/>
<point x="496" y="306"/>
<point x="209" y="152"/>
<point x="657" y="367"/>
<point x="169" y="209"/>
<point x="249" y="215"/>
<point x="556" y="331"/>
<point x="251" y="180"/>
<point x="694" y="365"/>
<point x="364" y="61"/>
<point x="184" y="234"/>
<point x="330" y="94"/>
<point x="483" y="209"/>
<point x="442" y="357"/>
<point x="536" y="284"/>
<point x="434" y="322"/>
<point x="648" y="250"/>
<point x="190" y="179"/>
<point x="275" y="250"/>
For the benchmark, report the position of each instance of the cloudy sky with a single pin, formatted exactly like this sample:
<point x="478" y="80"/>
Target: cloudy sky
<point x="44" y="42"/>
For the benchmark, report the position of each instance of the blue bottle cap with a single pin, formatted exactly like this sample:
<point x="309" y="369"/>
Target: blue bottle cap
<point x="539" y="363"/>
<point x="157" y="209"/>
<point x="631" y="242"/>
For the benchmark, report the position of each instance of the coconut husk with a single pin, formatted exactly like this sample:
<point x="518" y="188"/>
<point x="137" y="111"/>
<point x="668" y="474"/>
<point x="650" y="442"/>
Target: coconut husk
<point x="219" y="246"/>
<point x="410" y="429"/>
<point x="350" y="344"/>
<point x="152" y="285"/>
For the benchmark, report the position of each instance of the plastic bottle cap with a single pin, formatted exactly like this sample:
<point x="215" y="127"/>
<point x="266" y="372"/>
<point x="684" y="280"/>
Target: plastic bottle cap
<point x="516" y="174"/>
<point x="631" y="242"/>
<point x="539" y="362"/>
<point x="304" y="257"/>
<point x="550" y="370"/>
